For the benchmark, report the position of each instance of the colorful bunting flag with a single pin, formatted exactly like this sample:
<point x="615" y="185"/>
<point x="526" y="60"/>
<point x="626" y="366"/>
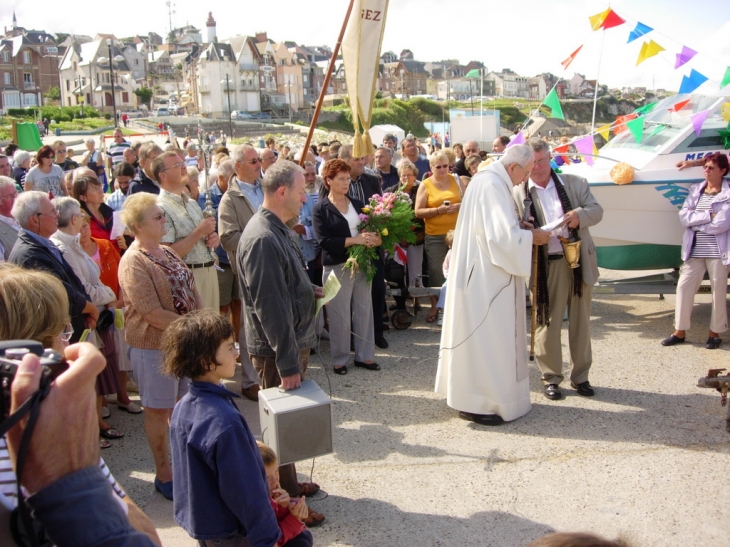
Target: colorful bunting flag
<point x="597" y="19"/>
<point x="646" y="108"/>
<point x="605" y="131"/>
<point x="725" y="136"/>
<point x="685" y="56"/>
<point x="569" y="60"/>
<point x="620" y="123"/>
<point x="563" y="149"/>
<point x="692" y="82"/>
<point x="680" y="105"/>
<point x="553" y="103"/>
<point x="639" y="31"/>
<point x="584" y="146"/>
<point x="519" y="139"/>
<point x="699" y="119"/>
<point x="636" y="126"/>
<point x="657" y="129"/>
<point x="473" y="73"/>
<point x="725" y="79"/>
<point x="612" y="20"/>
<point x="648" y="49"/>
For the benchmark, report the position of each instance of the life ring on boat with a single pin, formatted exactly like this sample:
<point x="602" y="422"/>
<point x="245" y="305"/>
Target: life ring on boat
<point x="622" y="173"/>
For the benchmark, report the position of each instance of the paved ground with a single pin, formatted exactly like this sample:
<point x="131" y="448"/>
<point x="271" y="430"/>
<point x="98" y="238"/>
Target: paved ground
<point x="642" y="459"/>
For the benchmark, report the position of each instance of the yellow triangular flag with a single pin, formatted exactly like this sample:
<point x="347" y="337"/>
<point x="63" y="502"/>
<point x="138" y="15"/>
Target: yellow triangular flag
<point x="605" y="131"/>
<point x="648" y="50"/>
<point x="597" y="19"/>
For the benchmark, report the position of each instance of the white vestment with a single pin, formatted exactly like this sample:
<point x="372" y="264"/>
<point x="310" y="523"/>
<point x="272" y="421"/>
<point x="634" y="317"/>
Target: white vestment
<point x="483" y="356"/>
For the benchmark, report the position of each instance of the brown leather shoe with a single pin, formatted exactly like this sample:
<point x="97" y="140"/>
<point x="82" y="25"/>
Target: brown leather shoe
<point x="313" y="518"/>
<point x="307" y="489"/>
<point x="251" y="393"/>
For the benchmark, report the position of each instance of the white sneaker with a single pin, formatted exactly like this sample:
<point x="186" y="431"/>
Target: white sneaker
<point x="105" y="412"/>
<point x="440" y="320"/>
<point x="132" y="407"/>
<point x="132" y="386"/>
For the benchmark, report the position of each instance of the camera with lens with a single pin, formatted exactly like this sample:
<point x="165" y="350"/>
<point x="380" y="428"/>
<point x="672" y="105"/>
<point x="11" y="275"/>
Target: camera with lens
<point x="11" y="353"/>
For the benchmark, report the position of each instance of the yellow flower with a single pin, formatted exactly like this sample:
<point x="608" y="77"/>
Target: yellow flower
<point x="365" y="210"/>
<point x="384" y="231"/>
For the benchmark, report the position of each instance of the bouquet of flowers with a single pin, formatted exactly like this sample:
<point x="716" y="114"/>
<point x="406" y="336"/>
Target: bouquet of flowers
<point x="389" y="215"/>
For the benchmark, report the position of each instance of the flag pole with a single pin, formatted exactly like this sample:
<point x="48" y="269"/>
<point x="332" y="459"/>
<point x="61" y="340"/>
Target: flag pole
<point x="326" y="83"/>
<point x="595" y="93"/>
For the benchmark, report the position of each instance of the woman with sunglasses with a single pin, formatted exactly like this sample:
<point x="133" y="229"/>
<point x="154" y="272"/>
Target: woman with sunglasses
<point x="705" y="216"/>
<point x="437" y="203"/>
<point x="157" y="288"/>
<point x="46" y="176"/>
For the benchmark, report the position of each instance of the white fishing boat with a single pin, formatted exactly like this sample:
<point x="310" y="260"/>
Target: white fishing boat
<point x="640" y="228"/>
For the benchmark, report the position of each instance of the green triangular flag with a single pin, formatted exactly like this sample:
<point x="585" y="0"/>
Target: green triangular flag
<point x="646" y="108"/>
<point x="726" y="78"/>
<point x="473" y="73"/>
<point x="658" y="129"/>
<point x="636" y="126"/>
<point x="553" y="103"/>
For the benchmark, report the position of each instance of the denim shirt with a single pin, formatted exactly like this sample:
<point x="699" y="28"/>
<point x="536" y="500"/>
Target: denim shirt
<point x="219" y="477"/>
<point x="308" y="242"/>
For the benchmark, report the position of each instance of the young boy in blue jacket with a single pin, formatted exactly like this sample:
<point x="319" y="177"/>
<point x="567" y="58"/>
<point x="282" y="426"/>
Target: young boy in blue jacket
<point x="221" y="491"/>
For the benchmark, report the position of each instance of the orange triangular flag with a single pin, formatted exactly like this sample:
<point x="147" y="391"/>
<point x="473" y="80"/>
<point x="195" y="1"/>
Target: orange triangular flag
<point x="563" y="149"/>
<point x="569" y="60"/>
<point x="680" y="105"/>
<point x="597" y="19"/>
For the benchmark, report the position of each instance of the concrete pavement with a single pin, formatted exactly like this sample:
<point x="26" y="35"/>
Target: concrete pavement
<point x="642" y="459"/>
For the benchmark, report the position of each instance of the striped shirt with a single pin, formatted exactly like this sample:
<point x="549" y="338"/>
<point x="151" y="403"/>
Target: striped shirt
<point x="116" y="151"/>
<point x="705" y="245"/>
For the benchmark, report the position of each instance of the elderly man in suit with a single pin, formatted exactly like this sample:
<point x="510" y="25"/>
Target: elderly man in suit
<point x="559" y="286"/>
<point x="35" y="251"/>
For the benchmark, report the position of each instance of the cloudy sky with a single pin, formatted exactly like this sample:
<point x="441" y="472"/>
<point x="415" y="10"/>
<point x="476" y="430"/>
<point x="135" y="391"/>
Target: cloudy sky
<point x="533" y="36"/>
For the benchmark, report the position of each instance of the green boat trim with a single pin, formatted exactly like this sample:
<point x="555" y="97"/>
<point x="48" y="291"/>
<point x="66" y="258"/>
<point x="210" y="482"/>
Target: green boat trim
<point x="642" y="256"/>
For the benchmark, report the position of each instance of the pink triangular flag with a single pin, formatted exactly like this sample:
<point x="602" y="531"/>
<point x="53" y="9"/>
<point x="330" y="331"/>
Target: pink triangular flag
<point x="684" y="57"/>
<point x="519" y="139"/>
<point x="698" y="120"/>
<point x="584" y="146"/>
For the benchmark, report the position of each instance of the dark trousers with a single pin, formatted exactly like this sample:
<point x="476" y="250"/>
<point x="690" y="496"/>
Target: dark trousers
<point x="378" y="294"/>
<point x="304" y="539"/>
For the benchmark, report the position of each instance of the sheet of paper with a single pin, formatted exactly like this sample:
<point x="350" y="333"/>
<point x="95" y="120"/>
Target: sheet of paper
<point x="331" y="288"/>
<point x="552" y="226"/>
<point x="118" y="226"/>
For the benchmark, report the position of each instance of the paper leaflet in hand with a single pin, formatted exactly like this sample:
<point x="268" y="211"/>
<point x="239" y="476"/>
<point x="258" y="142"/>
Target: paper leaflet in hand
<point x="331" y="288"/>
<point x="118" y="226"/>
<point x="554" y="226"/>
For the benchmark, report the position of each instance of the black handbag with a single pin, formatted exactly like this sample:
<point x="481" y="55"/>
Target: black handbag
<point x="106" y="320"/>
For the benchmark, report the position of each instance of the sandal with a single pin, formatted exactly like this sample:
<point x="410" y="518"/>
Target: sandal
<point x="103" y="443"/>
<point x="111" y="433"/>
<point x="307" y="489"/>
<point x="313" y="518"/>
<point x="432" y="316"/>
<point x="341" y="370"/>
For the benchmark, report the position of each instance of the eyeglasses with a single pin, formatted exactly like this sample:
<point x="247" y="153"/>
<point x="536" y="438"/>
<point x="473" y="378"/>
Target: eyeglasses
<point x="253" y="161"/>
<point x="440" y="166"/>
<point x="11" y="196"/>
<point x="54" y="214"/>
<point x="159" y="216"/>
<point x="542" y="162"/>
<point x="68" y="332"/>
<point x="63" y="151"/>
<point x="178" y="165"/>
<point x="408" y="176"/>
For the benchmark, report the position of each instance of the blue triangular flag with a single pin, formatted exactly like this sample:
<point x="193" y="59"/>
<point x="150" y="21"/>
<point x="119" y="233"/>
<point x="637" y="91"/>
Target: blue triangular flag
<point x="640" y="30"/>
<point x="692" y="82"/>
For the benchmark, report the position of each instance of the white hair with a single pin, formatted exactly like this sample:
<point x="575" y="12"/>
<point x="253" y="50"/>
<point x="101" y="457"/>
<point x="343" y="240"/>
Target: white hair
<point x="240" y="150"/>
<point x="26" y="205"/>
<point x="67" y="208"/>
<point x="20" y="156"/>
<point x="520" y="154"/>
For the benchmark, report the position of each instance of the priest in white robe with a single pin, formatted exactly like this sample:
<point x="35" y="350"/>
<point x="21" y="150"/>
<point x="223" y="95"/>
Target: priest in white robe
<point x="483" y="355"/>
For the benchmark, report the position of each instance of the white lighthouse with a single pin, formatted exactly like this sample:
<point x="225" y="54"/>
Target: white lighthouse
<point x="210" y="23"/>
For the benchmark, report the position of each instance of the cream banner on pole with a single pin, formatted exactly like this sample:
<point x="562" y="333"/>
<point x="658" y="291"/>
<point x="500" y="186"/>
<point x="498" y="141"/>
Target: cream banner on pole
<point x="361" y="56"/>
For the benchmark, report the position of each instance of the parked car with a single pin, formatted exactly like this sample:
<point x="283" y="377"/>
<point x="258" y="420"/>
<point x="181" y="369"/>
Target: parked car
<point x="134" y="113"/>
<point x="264" y="115"/>
<point x="241" y="115"/>
<point x="162" y="111"/>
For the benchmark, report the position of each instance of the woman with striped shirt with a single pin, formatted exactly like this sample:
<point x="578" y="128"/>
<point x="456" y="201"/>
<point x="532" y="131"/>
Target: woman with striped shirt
<point x="705" y="248"/>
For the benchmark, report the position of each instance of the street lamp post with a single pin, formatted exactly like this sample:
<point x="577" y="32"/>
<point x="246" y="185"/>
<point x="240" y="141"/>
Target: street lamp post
<point x="228" y="94"/>
<point x="111" y="60"/>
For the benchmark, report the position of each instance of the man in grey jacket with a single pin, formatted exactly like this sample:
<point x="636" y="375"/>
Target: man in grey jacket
<point x="277" y="295"/>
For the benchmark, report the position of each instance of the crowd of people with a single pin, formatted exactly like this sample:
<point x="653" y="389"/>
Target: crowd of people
<point x="213" y="267"/>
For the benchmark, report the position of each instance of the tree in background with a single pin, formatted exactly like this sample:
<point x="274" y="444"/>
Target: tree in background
<point x="144" y="94"/>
